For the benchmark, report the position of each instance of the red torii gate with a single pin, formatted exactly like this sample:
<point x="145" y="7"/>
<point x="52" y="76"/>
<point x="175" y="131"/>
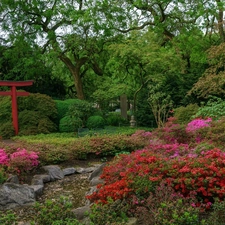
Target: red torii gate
<point x="13" y="93"/>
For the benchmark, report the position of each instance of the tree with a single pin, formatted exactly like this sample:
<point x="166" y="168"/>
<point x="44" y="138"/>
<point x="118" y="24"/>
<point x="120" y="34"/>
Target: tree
<point x="213" y="80"/>
<point x="140" y="58"/>
<point x="24" y="62"/>
<point x="67" y="28"/>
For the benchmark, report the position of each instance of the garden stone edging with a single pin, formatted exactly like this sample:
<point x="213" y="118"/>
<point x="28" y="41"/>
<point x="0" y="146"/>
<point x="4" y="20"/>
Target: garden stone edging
<point x="13" y="194"/>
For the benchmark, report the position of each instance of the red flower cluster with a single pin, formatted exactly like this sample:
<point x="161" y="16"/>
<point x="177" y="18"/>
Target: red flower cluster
<point x="204" y="174"/>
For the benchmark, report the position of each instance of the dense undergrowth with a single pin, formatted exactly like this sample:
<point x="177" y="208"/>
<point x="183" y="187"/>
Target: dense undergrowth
<point x="174" y="175"/>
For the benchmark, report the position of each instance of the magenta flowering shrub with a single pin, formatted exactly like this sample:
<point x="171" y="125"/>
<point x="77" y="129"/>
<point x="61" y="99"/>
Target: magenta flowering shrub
<point x="3" y="157"/>
<point x="22" y="159"/>
<point x="172" y="132"/>
<point x="197" y="124"/>
<point x="19" y="161"/>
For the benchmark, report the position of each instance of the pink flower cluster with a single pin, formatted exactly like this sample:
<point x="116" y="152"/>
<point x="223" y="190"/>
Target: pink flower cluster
<point x="21" y="160"/>
<point x="198" y="124"/>
<point x="24" y="155"/>
<point x="4" y="159"/>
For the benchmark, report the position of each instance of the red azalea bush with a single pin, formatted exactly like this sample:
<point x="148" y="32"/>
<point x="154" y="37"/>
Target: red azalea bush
<point x="195" y="166"/>
<point x="141" y="171"/>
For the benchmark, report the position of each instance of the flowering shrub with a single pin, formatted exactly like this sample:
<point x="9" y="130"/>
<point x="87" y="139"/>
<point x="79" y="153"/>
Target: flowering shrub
<point x="172" y="132"/>
<point x="197" y="124"/>
<point x="3" y="157"/>
<point x="19" y="161"/>
<point x="141" y="171"/>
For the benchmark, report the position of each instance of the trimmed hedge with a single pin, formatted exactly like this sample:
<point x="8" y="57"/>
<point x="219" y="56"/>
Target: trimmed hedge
<point x="95" y="122"/>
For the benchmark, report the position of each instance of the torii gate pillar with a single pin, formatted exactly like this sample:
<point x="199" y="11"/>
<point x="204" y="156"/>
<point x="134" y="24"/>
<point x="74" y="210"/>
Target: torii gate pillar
<point x="13" y="93"/>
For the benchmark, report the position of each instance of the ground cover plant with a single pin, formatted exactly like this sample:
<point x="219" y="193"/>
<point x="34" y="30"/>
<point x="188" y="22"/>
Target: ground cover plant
<point x="57" y="148"/>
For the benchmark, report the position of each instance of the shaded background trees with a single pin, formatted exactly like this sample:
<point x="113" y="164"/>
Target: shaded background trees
<point x="102" y="49"/>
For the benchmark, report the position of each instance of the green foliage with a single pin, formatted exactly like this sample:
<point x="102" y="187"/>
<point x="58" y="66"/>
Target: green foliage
<point x="36" y="114"/>
<point x="217" y="216"/>
<point x="214" y="108"/>
<point x="3" y="176"/>
<point x="143" y="114"/>
<point x="112" y="213"/>
<point x="33" y="122"/>
<point x="5" y="109"/>
<point x="95" y="122"/>
<point x="63" y="106"/>
<point x="160" y="102"/>
<point x="216" y="132"/>
<point x="115" y="119"/>
<point x="184" y="114"/>
<point x="80" y="109"/>
<point x="69" y="124"/>
<point x="165" y="206"/>
<point x="55" y="212"/>
<point x="7" y="130"/>
<point x="143" y="186"/>
<point x="40" y="103"/>
<point x="60" y="148"/>
<point x="7" y="218"/>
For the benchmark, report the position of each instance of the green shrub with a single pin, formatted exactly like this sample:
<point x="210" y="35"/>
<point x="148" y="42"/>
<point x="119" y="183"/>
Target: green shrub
<point x="95" y="122"/>
<point x="114" y="212"/>
<point x="69" y="124"/>
<point x="217" y="216"/>
<point x="55" y="213"/>
<point x="33" y="122"/>
<point x="39" y="103"/>
<point x="80" y="109"/>
<point x="184" y="114"/>
<point x="115" y="119"/>
<point x="7" y="130"/>
<point x="35" y="115"/>
<point x="62" y="107"/>
<point x="5" y="109"/>
<point x="214" y="108"/>
<point x="166" y="207"/>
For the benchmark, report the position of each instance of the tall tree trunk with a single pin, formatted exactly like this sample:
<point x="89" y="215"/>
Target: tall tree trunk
<point x="78" y="83"/>
<point x="76" y="73"/>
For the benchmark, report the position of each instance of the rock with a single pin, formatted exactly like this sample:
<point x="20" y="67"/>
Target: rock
<point x="44" y="177"/>
<point x="55" y="172"/>
<point x="13" y="195"/>
<point x="69" y="171"/>
<point x="38" y="189"/>
<point x="89" y="169"/>
<point x="13" y="179"/>
<point x="81" y="212"/>
<point x="23" y="223"/>
<point x="97" y="172"/>
<point x="95" y="181"/>
<point x="80" y="170"/>
<point x="132" y="221"/>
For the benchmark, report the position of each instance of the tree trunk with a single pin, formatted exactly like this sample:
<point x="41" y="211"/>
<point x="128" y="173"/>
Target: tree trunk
<point x="75" y="72"/>
<point x="78" y="84"/>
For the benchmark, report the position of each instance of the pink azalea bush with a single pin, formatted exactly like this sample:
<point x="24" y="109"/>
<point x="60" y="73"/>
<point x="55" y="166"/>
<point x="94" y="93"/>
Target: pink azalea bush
<point x="197" y="124"/>
<point x="4" y="159"/>
<point x="19" y="161"/>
